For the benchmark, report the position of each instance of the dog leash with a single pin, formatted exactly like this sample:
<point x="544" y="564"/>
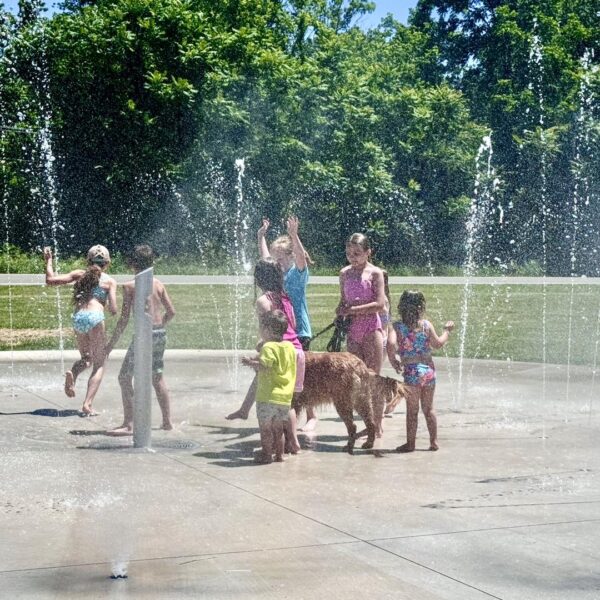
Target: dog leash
<point x="341" y="325"/>
<point x="314" y="337"/>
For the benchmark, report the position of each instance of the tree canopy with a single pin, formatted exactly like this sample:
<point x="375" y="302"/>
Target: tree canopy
<point x="122" y="121"/>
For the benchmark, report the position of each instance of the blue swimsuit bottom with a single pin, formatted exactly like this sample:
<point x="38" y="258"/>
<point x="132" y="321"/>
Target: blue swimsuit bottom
<point x="84" y="320"/>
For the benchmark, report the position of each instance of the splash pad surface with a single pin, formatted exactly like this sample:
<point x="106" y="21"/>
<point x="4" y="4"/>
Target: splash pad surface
<point x="508" y="508"/>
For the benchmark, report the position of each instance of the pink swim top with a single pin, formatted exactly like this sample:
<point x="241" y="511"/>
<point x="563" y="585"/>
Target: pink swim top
<point x="282" y="302"/>
<point x="357" y="292"/>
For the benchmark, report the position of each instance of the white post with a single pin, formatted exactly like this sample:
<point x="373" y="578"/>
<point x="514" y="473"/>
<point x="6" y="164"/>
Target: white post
<point x="142" y="370"/>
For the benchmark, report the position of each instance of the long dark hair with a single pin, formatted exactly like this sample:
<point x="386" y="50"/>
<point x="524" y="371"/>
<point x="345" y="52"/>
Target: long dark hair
<point x="84" y="287"/>
<point x="268" y="276"/>
<point x="411" y="308"/>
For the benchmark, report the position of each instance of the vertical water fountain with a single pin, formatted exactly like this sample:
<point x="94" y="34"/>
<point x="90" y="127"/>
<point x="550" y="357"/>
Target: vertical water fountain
<point x="480" y="215"/>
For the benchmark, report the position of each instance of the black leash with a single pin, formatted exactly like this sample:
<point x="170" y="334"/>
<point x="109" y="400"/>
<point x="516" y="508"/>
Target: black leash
<point x="341" y="325"/>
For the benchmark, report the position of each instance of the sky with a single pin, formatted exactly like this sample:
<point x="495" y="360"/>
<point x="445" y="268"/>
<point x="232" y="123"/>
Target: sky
<point x="398" y="8"/>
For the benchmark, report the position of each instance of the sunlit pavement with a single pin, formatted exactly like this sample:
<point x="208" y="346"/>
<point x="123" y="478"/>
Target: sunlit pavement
<point x="507" y="508"/>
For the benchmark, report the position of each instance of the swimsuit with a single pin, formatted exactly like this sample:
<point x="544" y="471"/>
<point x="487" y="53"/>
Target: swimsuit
<point x="357" y="292"/>
<point x="159" y="342"/>
<point x="100" y="293"/>
<point x="412" y="344"/>
<point x="85" y="320"/>
<point x="283" y="303"/>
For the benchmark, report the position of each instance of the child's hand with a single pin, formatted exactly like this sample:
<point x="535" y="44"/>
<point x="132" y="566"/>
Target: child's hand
<point x="292" y="226"/>
<point x="247" y="360"/>
<point x="262" y="230"/>
<point x="47" y="253"/>
<point x="449" y="326"/>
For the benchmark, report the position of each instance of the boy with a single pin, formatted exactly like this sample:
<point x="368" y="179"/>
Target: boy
<point x="161" y="311"/>
<point x="276" y="367"/>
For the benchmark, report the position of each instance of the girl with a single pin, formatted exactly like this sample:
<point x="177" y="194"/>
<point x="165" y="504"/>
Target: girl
<point x="412" y="339"/>
<point x="268" y="276"/>
<point x="289" y="253"/>
<point x="93" y="290"/>
<point x="362" y="299"/>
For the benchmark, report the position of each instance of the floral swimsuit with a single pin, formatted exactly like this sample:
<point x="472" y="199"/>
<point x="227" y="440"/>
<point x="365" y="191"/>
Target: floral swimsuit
<point x="413" y="344"/>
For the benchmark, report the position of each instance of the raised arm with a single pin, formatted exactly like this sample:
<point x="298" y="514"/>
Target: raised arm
<point x="300" y="254"/>
<point x="54" y="279"/>
<point x="439" y="341"/>
<point x="263" y="249"/>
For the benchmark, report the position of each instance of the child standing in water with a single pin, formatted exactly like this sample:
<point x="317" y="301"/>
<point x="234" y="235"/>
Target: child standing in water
<point x="268" y="276"/>
<point x="161" y="311"/>
<point x="93" y="290"/>
<point x="289" y="253"/>
<point x="412" y="339"/>
<point x="276" y="368"/>
<point x="362" y="299"/>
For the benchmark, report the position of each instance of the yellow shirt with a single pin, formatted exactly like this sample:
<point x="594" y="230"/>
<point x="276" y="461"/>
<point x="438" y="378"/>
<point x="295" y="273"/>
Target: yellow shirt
<point x="276" y="382"/>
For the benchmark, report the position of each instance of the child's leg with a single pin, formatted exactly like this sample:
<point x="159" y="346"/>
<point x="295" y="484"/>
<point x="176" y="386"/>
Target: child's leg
<point x="412" y="415"/>
<point x="430" y="416"/>
<point x="164" y="401"/>
<point x="371" y="350"/>
<point x="311" y="420"/>
<point x="97" y="344"/>
<point x="266" y="441"/>
<point x="291" y="432"/>
<point x="279" y="439"/>
<point x="126" y="383"/>
<point x="78" y="366"/>
<point x="243" y="411"/>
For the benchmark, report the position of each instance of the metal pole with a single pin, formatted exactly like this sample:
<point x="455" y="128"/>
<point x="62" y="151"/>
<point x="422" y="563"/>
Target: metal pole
<point x="142" y="370"/>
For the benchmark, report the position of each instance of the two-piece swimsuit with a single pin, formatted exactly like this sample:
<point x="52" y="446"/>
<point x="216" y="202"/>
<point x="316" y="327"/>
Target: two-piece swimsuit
<point x="85" y="320"/>
<point x="415" y="344"/>
<point x="358" y="292"/>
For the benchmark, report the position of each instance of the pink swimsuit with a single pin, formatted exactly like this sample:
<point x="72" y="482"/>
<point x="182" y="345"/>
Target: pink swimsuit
<point x="282" y="302"/>
<point x="357" y="292"/>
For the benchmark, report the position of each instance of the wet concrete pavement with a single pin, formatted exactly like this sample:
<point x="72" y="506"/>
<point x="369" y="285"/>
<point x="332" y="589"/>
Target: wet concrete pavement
<point x="508" y="508"/>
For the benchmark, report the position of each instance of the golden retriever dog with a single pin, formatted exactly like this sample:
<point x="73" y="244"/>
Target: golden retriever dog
<point x="343" y="379"/>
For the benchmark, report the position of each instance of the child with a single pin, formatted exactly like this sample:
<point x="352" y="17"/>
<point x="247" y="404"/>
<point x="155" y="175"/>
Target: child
<point x="362" y="298"/>
<point x="268" y="276"/>
<point x="289" y="253"/>
<point x="276" y="367"/>
<point x="161" y="311"/>
<point x="93" y="290"/>
<point x="412" y="338"/>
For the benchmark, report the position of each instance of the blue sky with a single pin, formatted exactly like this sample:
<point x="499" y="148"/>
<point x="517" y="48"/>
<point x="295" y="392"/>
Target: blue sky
<point x="399" y="8"/>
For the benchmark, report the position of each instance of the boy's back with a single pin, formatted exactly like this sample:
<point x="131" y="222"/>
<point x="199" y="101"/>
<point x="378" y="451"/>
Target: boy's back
<point x="276" y="383"/>
<point x="158" y="305"/>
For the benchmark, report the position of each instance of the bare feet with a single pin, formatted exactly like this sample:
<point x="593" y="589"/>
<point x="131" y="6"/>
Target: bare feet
<point x="433" y="446"/>
<point x="291" y="448"/>
<point x="279" y="459"/>
<point x="120" y="431"/>
<point x="167" y="426"/>
<point x="310" y="425"/>
<point x="238" y="414"/>
<point x="69" y="384"/>
<point x="405" y="448"/>
<point x="261" y="458"/>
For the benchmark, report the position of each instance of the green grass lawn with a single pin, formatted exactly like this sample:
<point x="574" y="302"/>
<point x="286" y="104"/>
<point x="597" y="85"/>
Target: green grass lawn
<point x="505" y="322"/>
